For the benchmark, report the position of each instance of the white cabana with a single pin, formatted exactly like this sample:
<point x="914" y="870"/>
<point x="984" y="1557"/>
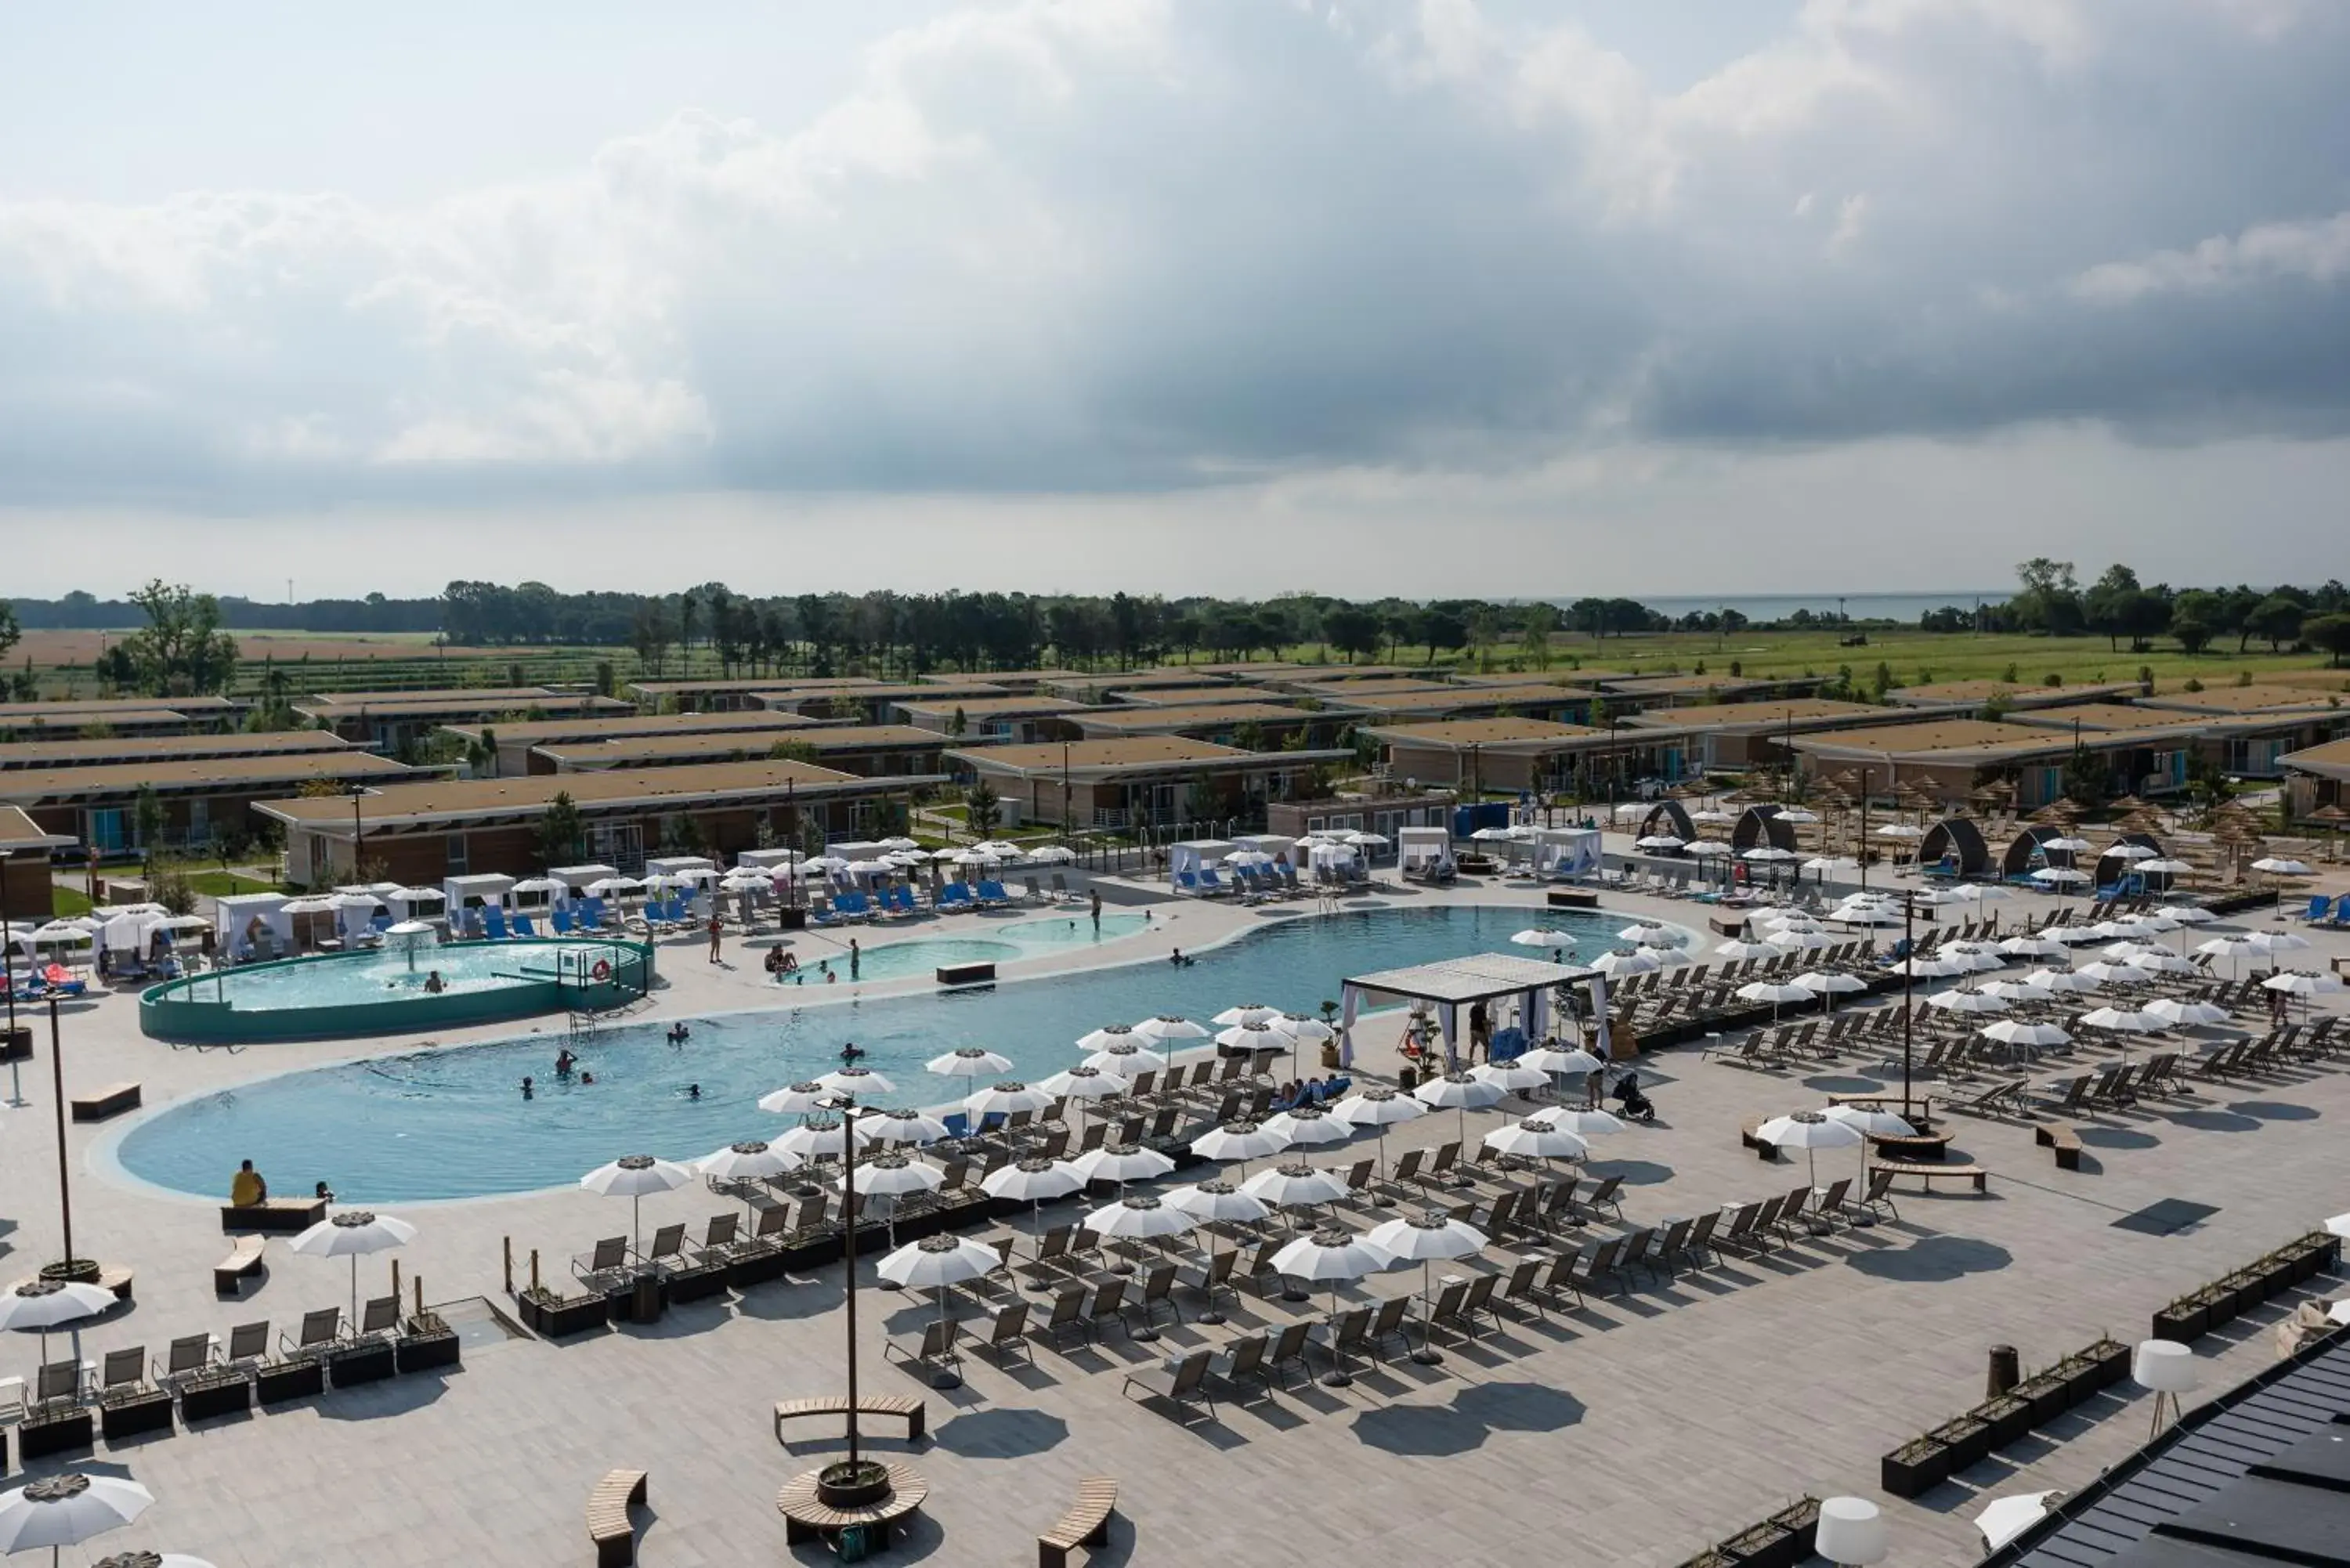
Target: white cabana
<point x="579" y="879"/>
<point x="239" y="919"/>
<point x="1194" y="855"/>
<point x="1455" y="983"/>
<point x="1423" y="851"/>
<point x="467" y="896"/>
<point x="1567" y="851"/>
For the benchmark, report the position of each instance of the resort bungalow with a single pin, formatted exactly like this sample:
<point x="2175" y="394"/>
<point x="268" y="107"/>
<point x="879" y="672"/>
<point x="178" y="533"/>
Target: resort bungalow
<point x="869" y="751"/>
<point x="1100" y="685"/>
<point x="2316" y="780"/>
<point x="1385" y="815"/>
<point x="146" y="715"/>
<point x="201" y="799"/>
<point x="1733" y="737"/>
<point x="1188" y="696"/>
<point x="1258" y="723"/>
<point x="1016" y="719"/>
<point x="1019" y="682"/>
<point x="25" y="891"/>
<point x="1502" y="754"/>
<point x="1644" y="692"/>
<point x="515" y="744"/>
<point x="390" y="721"/>
<point x="1150" y="781"/>
<point x="79" y="753"/>
<point x="875" y="704"/>
<point x="2169" y="738"/>
<point x="2251" y="727"/>
<point x="1534" y="699"/>
<point x="424" y="833"/>
<point x="735" y="692"/>
<point x="1950" y="759"/>
<point x="2010" y="693"/>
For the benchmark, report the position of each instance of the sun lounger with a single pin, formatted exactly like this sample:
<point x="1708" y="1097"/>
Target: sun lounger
<point x="1182" y="1387"/>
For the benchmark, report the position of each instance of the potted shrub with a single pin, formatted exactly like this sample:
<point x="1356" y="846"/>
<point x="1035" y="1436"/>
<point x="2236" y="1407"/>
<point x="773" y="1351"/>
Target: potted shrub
<point x="1710" y="1557"/>
<point x="1916" y="1467"/>
<point x="577" y="1315"/>
<point x="2047" y="1393"/>
<point x="1969" y="1440"/>
<point x="2185" y="1320"/>
<point x="215" y="1394"/>
<point x="1801" y="1521"/>
<point x="2219" y="1304"/>
<point x="429" y="1341"/>
<point x="1764" y="1545"/>
<point x="61" y="1429"/>
<point x="2008" y="1417"/>
<point x="300" y="1378"/>
<point x="2111" y="1357"/>
<point x="535" y="1303"/>
<point x="2081" y="1377"/>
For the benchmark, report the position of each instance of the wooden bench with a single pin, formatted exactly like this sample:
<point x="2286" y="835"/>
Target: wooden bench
<point x="807" y="1517"/>
<point x="273" y="1214"/>
<point x="609" y="1524"/>
<point x="1748" y="1134"/>
<point x="901" y="1406"/>
<point x="2066" y="1141"/>
<point x="100" y="1104"/>
<point x="1932" y="1171"/>
<point x="242" y="1263"/>
<point x="1086" y="1525"/>
<point x="1917" y="1148"/>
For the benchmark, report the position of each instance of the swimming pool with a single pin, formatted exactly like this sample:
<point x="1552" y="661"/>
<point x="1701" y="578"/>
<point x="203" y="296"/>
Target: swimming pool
<point x="451" y="1123"/>
<point x="391" y="993"/>
<point x="1015" y="940"/>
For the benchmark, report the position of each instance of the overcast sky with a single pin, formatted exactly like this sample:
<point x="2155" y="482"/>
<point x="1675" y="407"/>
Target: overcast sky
<point x="1511" y="296"/>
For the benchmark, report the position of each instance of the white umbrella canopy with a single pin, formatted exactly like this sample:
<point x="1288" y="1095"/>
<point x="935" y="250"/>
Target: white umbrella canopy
<point x="2019" y="1031"/>
<point x="1931" y="966"/>
<point x="1966" y="1001"/>
<point x="40" y="1305"/>
<point x="2018" y="990"/>
<point x="1659" y="841"/>
<point x="1652" y="934"/>
<point x="1829" y="981"/>
<point x="1087" y="1083"/>
<point x="1217" y="1201"/>
<point x="2301" y="983"/>
<point x="2188" y="914"/>
<point x="1033" y="1181"/>
<point x="1713" y="814"/>
<point x="1709" y="848"/>
<point x="1978" y="892"/>
<point x="1870" y="1122"/>
<point x="1107" y="1036"/>
<point x="1304" y="1029"/>
<point x="2186" y="1014"/>
<point x="2070" y="936"/>
<point x="1122" y="1165"/>
<point x="1139" y="1219"/>
<point x="968" y="1061"/>
<point x="1006" y="1098"/>
<point x="2339" y="1225"/>
<point x="1775" y="993"/>
<point x="2280" y="866"/>
<point x="1379" y="1107"/>
<point x="2059" y="980"/>
<point x="68" y="1509"/>
<point x="1638" y="960"/>
<point x="936" y="1262"/>
<point x="2166" y="867"/>
<point x="1309" y="1127"/>
<point x="1261" y="1035"/>
<point x="1052" y="855"/>
<point x="1542" y="937"/>
<point x="892" y="1175"/>
<point x="819" y="1136"/>
<point x="1510" y="1077"/>
<point x="861" y="1082"/>
<point x="2131" y="852"/>
<point x="1166" y="1030"/>
<point x="1572" y="1063"/>
<point x="798" y="1099"/>
<point x="2060" y="877"/>
<point x="1536" y="1138"/>
<point x="613" y="887"/>
<point x="1791" y="938"/>
<point x="1247" y="1012"/>
<point x="2106" y="973"/>
<point x="1800" y="815"/>
<point x="1330" y="1257"/>
<point x="1900" y="830"/>
<point x="748" y="1161"/>
<point x="1458" y="1091"/>
<point x="1427" y="1239"/>
<point x="2120" y="1021"/>
<point x="355" y="1232"/>
<point x="1125" y="1059"/>
<point x="2033" y="946"/>
<point x="1810" y="1131"/>
<point x="2277" y="941"/>
<point x="1770" y="854"/>
<point x="902" y="1124"/>
<point x="2004" y="1518"/>
<point x="2067" y="845"/>
<point x="1294" y="1187"/>
<point x="1738" y="948"/>
<point x="1240" y="1140"/>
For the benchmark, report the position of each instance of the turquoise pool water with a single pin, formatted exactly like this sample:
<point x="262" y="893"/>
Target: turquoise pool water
<point x="453" y="1123"/>
<point x="1037" y="936"/>
<point x="358" y="979"/>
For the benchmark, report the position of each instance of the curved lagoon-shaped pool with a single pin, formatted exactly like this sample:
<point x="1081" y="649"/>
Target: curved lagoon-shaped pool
<point x="453" y="1123"/>
<point x="386" y="992"/>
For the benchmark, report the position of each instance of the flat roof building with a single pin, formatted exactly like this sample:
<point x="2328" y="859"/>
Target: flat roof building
<point x="1138" y="781"/>
<point x="387" y="725"/>
<point x="1952" y="758"/>
<point x="147" y="715"/>
<point x="1218" y="721"/>
<point x="2317" y="778"/>
<point x="1736" y="736"/>
<point x="76" y="752"/>
<point x="2014" y="693"/>
<point x="1521" y="754"/>
<point x="514" y="742"/>
<point x="202" y="798"/>
<point x="736" y="692"/>
<point x="1016" y="719"/>
<point x="423" y="833"/>
<point x="869" y="750"/>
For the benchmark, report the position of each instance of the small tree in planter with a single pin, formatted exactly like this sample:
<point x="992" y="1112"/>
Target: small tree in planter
<point x="1915" y="1467"/>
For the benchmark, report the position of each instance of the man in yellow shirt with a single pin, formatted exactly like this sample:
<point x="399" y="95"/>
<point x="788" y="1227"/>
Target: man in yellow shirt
<point x="246" y="1187"/>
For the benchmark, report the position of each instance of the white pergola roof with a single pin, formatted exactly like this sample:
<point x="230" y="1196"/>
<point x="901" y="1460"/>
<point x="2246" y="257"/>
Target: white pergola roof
<point x="1476" y="977"/>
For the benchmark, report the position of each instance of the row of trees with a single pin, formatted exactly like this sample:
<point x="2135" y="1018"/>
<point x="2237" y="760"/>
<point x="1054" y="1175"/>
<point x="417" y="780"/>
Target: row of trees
<point x="2119" y="606"/>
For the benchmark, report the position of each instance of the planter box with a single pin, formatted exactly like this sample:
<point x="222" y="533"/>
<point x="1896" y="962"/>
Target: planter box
<point x="2112" y="1360"/>
<point x="127" y="1417"/>
<point x="1766" y="1545"/>
<point x="1915" y="1468"/>
<point x="577" y="1315"/>
<point x="802" y="1257"/>
<point x="55" y="1432"/>
<point x="1968" y="1440"/>
<point x="2220" y="1304"/>
<point x="205" y="1398"/>
<point x="755" y="1268"/>
<point x="299" y="1379"/>
<point x="1802" y="1522"/>
<point x="2008" y="1417"/>
<point x="2081" y="1377"/>
<point x="698" y="1283"/>
<point x="2183" y="1321"/>
<point x="418" y="1352"/>
<point x="2307" y="1260"/>
<point x="368" y="1363"/>
<point x="2049" y="1394"/>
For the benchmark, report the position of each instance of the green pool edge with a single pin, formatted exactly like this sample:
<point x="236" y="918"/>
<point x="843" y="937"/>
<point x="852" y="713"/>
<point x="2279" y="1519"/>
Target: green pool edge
<point x="168" y="1013"/>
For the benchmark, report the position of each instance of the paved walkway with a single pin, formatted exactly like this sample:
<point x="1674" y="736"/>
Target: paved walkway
<point x="1631" y="1433"/>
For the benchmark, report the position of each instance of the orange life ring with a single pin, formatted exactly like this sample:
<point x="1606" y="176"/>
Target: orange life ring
<point x="603" y="969"/>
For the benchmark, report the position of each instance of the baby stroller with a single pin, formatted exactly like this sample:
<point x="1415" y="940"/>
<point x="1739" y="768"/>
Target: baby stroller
<point x="1637" y="1106"/>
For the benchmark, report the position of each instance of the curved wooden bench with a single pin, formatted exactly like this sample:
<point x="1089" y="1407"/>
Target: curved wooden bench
<point x="242" y="1262"/>
<point x="806" y="1518"/>
<point x="1748" y="1134"/>
<point x="1086" y="1525"/>
<point x="1932" y="1171"/>
<point x="1914" y="1148"/>
<point x="898" y="1406"/>
<point x="609" y="1525"/>
<point x="2066" y="1141"/>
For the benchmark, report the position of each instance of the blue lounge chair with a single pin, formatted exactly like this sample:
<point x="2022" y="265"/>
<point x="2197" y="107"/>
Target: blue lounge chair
<point x="825" y="911"/>
<point x="853" y="905"/>
<point x="591" y="915"/>
<point x="1211" y="882"/>
<point x="493" y="921"/>
<point x="523" y="926"/>
<point x="993" y="896"/>
<point x="954" y="895"/>
<point x="901" y="898"/>
<point x="2320" y="906"/>
<point x="561" y="920"/>
<point x="1288" y="874"/>
<point x="2342" y="911"/>
<point x="1186" y="883"/>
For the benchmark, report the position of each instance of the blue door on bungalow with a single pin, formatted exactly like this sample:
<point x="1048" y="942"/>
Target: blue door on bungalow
<point x="2044" y="785"/>
<point x="1669" y="760"/>
<point x="107" y="833"/>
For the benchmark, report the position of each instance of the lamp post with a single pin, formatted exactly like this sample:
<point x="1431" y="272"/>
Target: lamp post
<point x="1908" y="964"/>
<point x="1860" y="853"/>
<point x="358" y="832"/>
<point x="8" y="975"/>
<point x="70" y="1268"/>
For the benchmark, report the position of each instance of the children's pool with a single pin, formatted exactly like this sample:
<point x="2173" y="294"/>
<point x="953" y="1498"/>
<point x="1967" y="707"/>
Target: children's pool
<point x="452" y="1122"/>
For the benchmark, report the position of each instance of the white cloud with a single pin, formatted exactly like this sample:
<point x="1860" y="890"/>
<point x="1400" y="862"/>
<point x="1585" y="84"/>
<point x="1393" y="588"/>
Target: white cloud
<point x="1133" y="244"/>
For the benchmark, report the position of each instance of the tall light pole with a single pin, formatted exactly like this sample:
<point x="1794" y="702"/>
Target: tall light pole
<point x="70" y="1268"/>
<point x="7" y="975"/>
<point x="358" y="832"/>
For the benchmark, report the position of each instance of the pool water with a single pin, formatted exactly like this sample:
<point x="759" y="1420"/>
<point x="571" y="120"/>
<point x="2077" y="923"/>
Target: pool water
<point x="359" y="978"/>
<point x="452" y="1122"/>
<point x="1006" y="943"/>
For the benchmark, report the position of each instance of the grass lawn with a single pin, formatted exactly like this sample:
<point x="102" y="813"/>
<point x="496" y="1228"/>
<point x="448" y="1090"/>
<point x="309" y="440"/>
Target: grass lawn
<point x="66" y="902"/>
<point x="227" y="884"/>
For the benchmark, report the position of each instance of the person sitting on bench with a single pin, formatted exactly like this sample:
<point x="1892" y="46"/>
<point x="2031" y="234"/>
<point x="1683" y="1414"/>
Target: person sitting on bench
<point x="247" y="1187"/>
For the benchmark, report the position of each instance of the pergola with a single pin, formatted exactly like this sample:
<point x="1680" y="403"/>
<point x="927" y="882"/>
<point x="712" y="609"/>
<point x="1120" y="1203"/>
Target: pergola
<point x="1453" y="984"/>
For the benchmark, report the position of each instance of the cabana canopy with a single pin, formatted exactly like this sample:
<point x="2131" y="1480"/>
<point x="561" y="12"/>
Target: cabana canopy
<point x="1759" y="828"/>
<point x="1955" y="839"/>
<point x="1452" y="983"/>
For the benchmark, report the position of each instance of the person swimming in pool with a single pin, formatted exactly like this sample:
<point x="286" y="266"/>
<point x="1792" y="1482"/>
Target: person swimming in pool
<point x="564" y="1061"/>
<point x="526" y="1087"/>
<point x="693" y="1091"/>
<point x="433" y="984"/>
<point x="586" y="1077"/>
<point x="679" y="1033"/>
<point x="851" y="1050"/>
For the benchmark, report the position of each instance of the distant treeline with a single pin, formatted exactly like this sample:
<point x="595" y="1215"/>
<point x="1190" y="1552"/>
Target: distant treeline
<point x="88" y="612"/>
